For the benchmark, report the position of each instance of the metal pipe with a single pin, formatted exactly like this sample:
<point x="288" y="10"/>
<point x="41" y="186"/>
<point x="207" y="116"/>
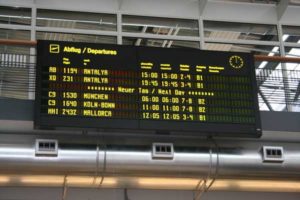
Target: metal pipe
<point x="235" y="161"/>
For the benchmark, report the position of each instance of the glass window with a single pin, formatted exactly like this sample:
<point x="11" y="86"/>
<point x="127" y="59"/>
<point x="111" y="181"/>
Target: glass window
<point x="76" y="20"/>
<point x="15" y="15"/>
<point x="291" y="34"/>
<point x="242" y="31"/>
<point x="256" y="49"/>
<point x="14" y="34"/>
<point x="160" y="43"/>
<point x="14" y="82"/>
<point x="14" y="64"/>
<point x="275" y="98"/>
<point x="280" y="91"/>
<point x="76" y="37"/>
<point x="160" y="26"/>
<point x="293" y="74"/>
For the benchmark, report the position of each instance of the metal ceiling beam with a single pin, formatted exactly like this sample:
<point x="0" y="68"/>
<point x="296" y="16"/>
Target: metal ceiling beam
<point x="139" y="40"/>
<point x="297" y="92"/>
<point x="171" y="8"/>
<point x="278" y="88"/>
<point x="166" y="41"/>
<point x="120" y="4"/>
<point x="265" y="100"/>
<point x="202" y="6"/>
<point x="240" y="12"/>
<point x="281" y="8"/>
<point x="188" y="9"/>
<point x="171" y="41"/>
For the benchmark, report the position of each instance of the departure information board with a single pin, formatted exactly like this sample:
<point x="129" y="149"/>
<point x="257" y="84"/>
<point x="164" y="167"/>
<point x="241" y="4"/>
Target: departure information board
<point x="188" y="91"/>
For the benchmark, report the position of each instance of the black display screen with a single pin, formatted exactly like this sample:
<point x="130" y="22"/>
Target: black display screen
<point x="83" y="85"/>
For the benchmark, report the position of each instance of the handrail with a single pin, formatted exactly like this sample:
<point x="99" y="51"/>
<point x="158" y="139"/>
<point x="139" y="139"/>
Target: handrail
<point x="18" y="42"/>
<point x="281" y="59"/>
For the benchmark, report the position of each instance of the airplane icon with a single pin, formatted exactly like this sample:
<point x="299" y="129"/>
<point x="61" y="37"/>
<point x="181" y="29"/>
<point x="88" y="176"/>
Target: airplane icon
<point x="54" y="48"/>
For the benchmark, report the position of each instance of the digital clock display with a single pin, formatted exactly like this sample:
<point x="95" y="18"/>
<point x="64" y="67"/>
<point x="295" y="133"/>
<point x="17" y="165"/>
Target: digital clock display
<point x="189" y="91"/>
